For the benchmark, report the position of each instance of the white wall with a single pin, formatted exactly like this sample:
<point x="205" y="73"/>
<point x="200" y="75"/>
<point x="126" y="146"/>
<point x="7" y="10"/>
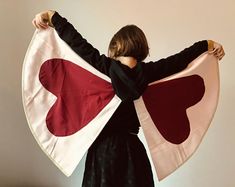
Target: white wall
<point x="170" y="26"/>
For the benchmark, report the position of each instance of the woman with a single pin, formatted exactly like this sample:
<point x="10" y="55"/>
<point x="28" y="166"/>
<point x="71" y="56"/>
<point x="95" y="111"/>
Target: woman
<point x="117" y="158"/>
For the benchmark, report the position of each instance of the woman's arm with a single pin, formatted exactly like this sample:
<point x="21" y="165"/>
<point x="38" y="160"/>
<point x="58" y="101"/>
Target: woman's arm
<point x="176" y="63"/>
<point x="74" y="39"/>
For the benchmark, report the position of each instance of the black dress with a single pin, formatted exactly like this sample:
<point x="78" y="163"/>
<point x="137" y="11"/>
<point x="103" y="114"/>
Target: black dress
<point x="118" y="158"/>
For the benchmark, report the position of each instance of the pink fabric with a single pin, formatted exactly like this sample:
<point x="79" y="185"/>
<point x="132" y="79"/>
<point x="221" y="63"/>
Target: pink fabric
<point x="186" y="121"/>
<point x="65" y="119"/>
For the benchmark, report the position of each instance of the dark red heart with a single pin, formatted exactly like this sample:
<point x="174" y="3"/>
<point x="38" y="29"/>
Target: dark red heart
<point x="80" y="94"/>
<point x="167" y="102"/>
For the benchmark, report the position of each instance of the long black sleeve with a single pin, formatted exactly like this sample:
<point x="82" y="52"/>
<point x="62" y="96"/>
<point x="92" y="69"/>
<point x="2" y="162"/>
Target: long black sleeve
<point x="74" y="39"/>
<point x="153" y="70"/>
<point x="175" y="63"/>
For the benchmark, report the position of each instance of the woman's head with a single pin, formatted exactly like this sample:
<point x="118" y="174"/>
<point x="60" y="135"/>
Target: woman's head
<point x="129" y="41"/>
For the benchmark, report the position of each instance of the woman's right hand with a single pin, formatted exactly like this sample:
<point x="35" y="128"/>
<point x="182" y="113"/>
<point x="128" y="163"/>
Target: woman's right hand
<point x="42" y="20"/>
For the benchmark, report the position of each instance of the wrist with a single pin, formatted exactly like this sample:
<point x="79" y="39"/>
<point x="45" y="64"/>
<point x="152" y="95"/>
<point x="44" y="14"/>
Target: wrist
<point x="50" y="14"/>
<point x="210" y="45"/>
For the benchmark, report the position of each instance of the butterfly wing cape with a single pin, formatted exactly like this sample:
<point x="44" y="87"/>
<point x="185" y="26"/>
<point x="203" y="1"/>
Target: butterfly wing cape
<point x="67" y="103"/>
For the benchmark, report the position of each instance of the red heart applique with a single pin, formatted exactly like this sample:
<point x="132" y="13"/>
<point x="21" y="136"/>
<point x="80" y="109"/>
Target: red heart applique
<point x="80" y="94"/>
<point x="167" y="102"/>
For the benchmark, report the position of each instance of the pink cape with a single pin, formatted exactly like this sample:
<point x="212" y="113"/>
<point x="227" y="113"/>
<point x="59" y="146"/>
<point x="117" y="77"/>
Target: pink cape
<point x="67" y="104"/>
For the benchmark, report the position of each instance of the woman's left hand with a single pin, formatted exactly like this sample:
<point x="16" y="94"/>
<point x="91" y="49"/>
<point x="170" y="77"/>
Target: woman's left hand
<point x="217" y="50"/>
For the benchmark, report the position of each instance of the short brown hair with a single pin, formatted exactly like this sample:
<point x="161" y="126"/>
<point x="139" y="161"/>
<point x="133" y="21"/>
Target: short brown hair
<point x="129" y="41"/>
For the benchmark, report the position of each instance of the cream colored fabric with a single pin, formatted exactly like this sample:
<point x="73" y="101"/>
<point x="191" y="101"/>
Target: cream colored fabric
<point x="66" y="152"/>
